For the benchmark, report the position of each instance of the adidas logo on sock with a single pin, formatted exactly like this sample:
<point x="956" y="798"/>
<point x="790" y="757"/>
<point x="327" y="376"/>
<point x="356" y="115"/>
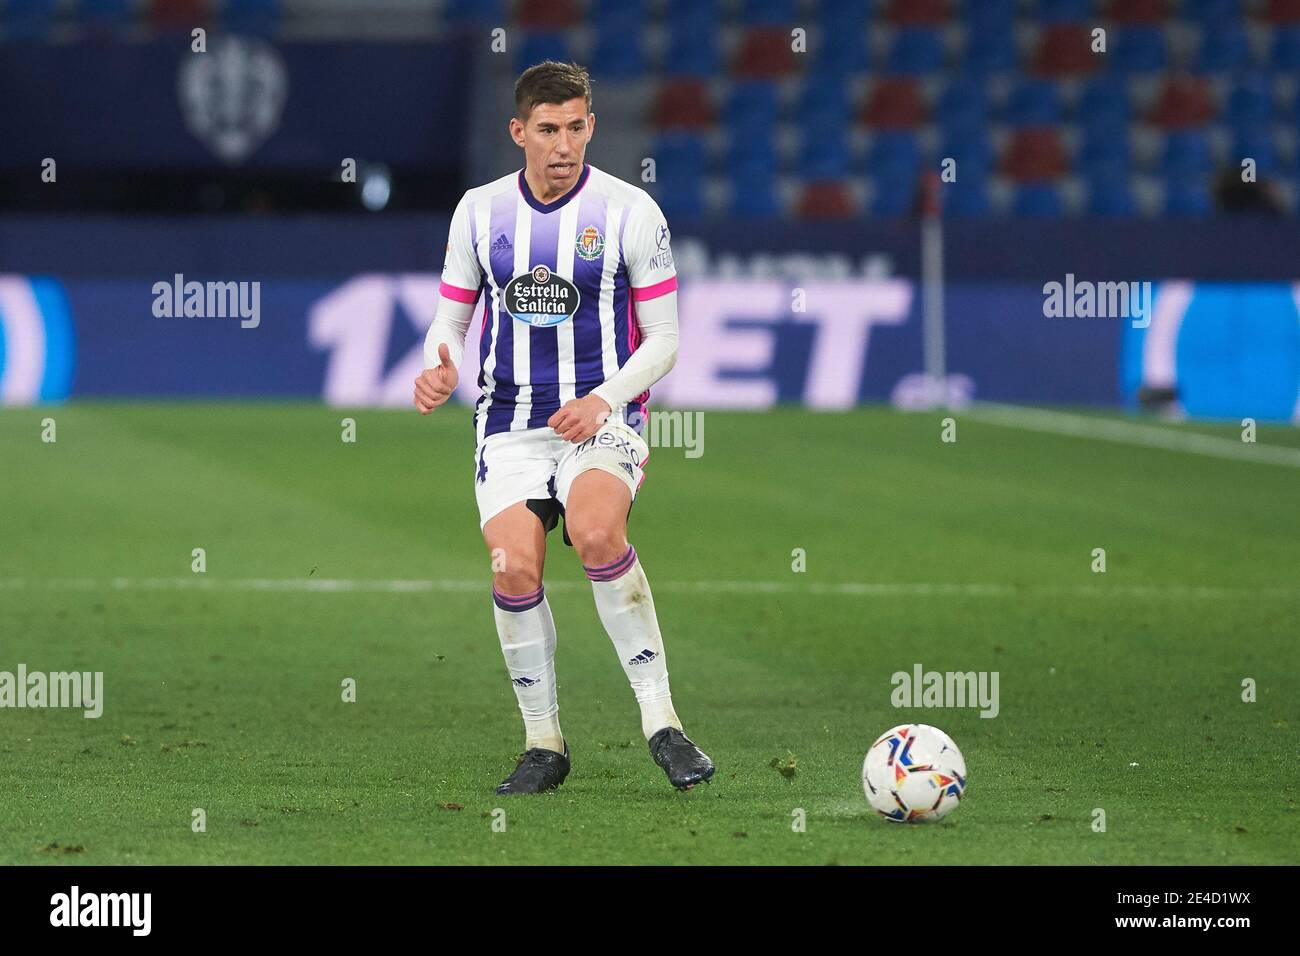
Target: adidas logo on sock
<point x="523" y="681"/>
<point x="645" y="657"/>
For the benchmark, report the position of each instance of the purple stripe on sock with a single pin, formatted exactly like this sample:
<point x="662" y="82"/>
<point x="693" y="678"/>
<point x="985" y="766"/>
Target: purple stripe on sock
<point x="615" y="569"/>
<point x="518" y="602"/>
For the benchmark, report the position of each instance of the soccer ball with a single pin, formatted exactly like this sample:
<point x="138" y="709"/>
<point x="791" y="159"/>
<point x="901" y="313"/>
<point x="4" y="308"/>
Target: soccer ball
<point x="914" y="772"/>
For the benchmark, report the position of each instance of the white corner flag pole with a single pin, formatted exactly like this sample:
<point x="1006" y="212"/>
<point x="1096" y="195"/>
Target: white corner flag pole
<point x="932" y="330"/>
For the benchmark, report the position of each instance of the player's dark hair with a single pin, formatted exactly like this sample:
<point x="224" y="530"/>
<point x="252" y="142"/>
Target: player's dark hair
<point x="550" y="82"/>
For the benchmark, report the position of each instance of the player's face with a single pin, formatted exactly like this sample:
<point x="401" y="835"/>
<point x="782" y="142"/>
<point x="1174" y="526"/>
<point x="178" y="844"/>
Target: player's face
<point x="554" y="140"/>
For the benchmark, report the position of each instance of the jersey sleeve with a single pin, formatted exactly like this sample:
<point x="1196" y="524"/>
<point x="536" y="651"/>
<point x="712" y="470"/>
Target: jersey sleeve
<point x="646" y="251"/>
<point x="461" y="273"/>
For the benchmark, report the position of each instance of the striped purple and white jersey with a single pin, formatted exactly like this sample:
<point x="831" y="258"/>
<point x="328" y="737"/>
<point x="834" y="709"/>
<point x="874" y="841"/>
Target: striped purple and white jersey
<point x="562" y="280"/>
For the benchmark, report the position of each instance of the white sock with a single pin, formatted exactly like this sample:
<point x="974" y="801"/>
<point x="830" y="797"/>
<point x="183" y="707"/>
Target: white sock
<point x="527" y="634"/>
<point x="627" y="610"/>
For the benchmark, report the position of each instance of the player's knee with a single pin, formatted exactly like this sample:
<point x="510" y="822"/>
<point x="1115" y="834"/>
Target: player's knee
<point x="522" y="580"/>
<point x="596" y="542"/>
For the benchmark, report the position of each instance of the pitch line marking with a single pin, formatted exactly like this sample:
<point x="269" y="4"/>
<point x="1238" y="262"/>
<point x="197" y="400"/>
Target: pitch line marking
<point x="1131" y="433"/>
<point x="831" y="589"/>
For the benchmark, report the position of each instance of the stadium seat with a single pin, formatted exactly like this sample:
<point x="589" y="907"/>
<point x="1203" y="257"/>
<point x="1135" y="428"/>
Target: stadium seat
<point x="916" y="50"/>
<point x="1255" y="143"/>
<point x="765" y="51"/>
<point x="895" y="154"/>
<point x="752" y="151"/>
<point x="617" y="54"/>
<point x="752" y="104"/>
<point x="1063" y="11"/>
<point x="681" y="104"/>
<point x="961" y="107"/>
<point x="894" y="193"/>
<point x="996" y="16"/>
<point x="968" y="196"/>
<point x="473" y="11"/>
<point x="692" y="51"/>
<point x="1187" y="198"/>
<point x="825" y="200"/>
<point x="1184" y="101"/>
<point x="1138" y="11"/>
<point x="1186" y="151"/>
<point x="1283" y="11"/>
<point x="970" y="148"/>
<point x="753" y="194"/>
<point x="546" y="14"/>
<point x="678" y="151"/>
<point x="840" y="49"/>
<point x="1104" y="148"/>
<point x="824" y="154"/>
<point x="1038" y="201"/>
<point x="917" y="12"/>
<point x="1104" y="104"/>
<point x="894" y="103"/>
<point x="1109" y="194"/>
<point x="1139" y="49"/>
<point x="1251" y="100"/>
<point x="1035" y="154"/>
<point x="107" y="13"/>
<point x="27" y="19"/>
<point x="260" y="17"/>
<point x="1223" y="48"/>
<point x="680" y="192"/>
<point x="767" y="12"/>
<point x="989" y="50"/>
<point x="825" y="97"/>
<point x="1211" y="12"/>
<point x="1034" y="102"/>
<point x="540" y="46"/>
<point x="1065" y="48"/>
<point x="1286" y="48"/>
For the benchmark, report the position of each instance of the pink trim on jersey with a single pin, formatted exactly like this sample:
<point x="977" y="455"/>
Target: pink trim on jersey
<point x="656" y="290"/>
<point x="456" y="293"/>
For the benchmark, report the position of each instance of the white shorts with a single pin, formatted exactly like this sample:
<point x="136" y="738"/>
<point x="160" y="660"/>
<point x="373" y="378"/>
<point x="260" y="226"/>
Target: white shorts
<point x="537" y="463"/>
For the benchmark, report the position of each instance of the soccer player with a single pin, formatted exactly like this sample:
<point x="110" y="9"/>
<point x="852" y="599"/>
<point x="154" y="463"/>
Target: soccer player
<point x="579" y="320"/>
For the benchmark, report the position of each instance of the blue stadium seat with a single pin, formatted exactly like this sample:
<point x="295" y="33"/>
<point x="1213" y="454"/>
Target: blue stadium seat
<point x="1037" y="201"/>
<point x="1104" y="149"/>
<point x="617" y="53"/>
<point x="678" y="152"/>
<point x="962" y="106"/>
<point x="824" y="154"/>
<point x="767" y="12"/>
<point x="894" y="192"/>
<point x="1224" y="48"/>
<point x="473" y="11"/>
<point x="990" y="50"/>
<point x="692" y="50"/>
<point x="680" y="192"/>
<point x="753" y="195"/>
<point x="107" y="13"/>
<point x="1187" y="197"/>
<point x="1109" y="194"/>
<point x="260" y="17"/>
<point x="542" y="45"/>
<point x="1034" y="103"/>
<point x="971" y="149"/>
<point x="751" y="105"/>
<point x="27" y="19"/>
<point x="1140" y="49"/>
<point x="1105" y="102"/>
<point x="1286" y="47"/>
<point x="825" y="97"/>
<point x="989" y="16"/>
<point x="1187" y="152"/>
<point x="916" y="50"/>
<point x="1255" y="143"/>
<point x="1211" y="13"/>
<point x="1251" y="100"/>
<point x="841" y="50"/>
<point x="894" y="153"/>
<point x="968" y="196"/>
<point x="1064" y="11"/>
<point x="751" y="151"/>
<point x="624" y="13"/>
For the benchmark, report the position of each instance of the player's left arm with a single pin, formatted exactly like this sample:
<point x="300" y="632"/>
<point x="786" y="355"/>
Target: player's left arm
<point x="653" y="279"/>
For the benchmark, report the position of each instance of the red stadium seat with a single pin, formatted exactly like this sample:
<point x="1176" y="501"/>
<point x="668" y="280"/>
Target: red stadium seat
<point x="765" y="52"/>
<point x="895" y="103"/>
<point x="826" y="200"/>
<point x="917" y="12"/>
<point x="682" y="104"/>
<point x="546" y="14"/>
<point x="172" y="14"/>
<point x="1035" y="154"/>
<point x="1139" y="11"/>
<point x="1184" y="101"/>
<point x="1066" y="48"/>
<point x="1283" y="11"/>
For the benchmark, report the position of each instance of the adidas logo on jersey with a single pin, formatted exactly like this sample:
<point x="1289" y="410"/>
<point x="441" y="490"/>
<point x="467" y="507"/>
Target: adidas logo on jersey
<point x="523" y="681"/>
<point x="502" y="243"/>
<point x="645" y="657"/>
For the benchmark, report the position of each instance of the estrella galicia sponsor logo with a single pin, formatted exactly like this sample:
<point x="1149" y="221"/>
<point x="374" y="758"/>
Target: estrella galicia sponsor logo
<point x="523" y="681"/>
<point x="74" y="908"/>
<point x="645" y="657"/>
<point x="591" y="244"/>
<point x="540" y="297"/>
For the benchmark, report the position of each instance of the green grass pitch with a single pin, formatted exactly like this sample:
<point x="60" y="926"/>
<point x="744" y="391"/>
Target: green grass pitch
<point x="1120" y="691"/>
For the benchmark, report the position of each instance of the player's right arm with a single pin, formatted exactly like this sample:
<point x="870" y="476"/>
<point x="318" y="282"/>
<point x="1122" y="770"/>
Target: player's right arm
<point x="444" y="346"/>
